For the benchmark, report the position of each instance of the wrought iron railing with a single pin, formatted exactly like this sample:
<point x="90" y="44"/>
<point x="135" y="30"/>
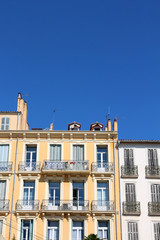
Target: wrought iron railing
<point x="102" y="167"/>
<point x="27" y="166"/>
<point x="129" y="171"/>
<point x="154" y="208"/>
<point x="103" y="206"/>
<point x="152" y="171"/>
<point x="65" y="205"/>
<point x="4" y="205"/>
<point x="27" y="205"/>
<point x="6" y="166"/>
<point x="131" y="208"/>
<point x="66" y="165"/>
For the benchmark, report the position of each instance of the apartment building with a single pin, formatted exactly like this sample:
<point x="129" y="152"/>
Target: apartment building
<point x="140" y="189"/>
<point x="57" y="185"/>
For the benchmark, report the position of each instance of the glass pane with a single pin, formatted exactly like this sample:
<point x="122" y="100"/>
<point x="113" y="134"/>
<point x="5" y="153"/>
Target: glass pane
<point x="100" y="233"/>
<point x="74" y="234"/>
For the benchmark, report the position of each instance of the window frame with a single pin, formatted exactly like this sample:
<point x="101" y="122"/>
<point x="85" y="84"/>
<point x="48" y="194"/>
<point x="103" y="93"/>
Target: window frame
<point x="6" y="126"/>
<point x="131" y="235"/>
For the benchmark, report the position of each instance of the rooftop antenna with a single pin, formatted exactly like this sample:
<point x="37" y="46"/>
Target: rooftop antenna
<point x="108" y="114"/>
<point x="53" y="117"/>
<point x="118" y="117"/>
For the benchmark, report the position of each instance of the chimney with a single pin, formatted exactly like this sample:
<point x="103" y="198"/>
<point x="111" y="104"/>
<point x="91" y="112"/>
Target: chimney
<point x="109" y="124"/>
<point x="51" y="126"/>
<point x="106" y="128"/>
<point x="115" y="125"/>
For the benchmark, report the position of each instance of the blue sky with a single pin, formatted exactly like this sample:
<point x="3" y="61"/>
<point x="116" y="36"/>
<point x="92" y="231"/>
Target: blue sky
<point x="81" y="57"/>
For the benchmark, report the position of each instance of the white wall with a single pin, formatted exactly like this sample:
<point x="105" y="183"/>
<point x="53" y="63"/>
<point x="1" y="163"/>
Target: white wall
<point x="143" y="192"/>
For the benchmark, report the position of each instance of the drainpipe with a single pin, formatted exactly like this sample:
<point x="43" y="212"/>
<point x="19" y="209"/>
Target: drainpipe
<point x="10" y="227"/>
<point x="115" y="199"/>
<point x="118" y="142"/>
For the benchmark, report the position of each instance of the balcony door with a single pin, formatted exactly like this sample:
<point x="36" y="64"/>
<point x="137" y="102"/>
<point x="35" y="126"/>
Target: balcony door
<point x="102" y="194"/>
<point x="54" y="195"/>
<point x="130" y="192"/>
<point x="155" y="192"/>
<point x="102" y="157"/>
<point x="2" y="194"/>
<point x="28" y="195"/>
<point x="31" y="156"/>
<point x="128" y="157"/>
<point x="53" y="230"/>
<point x="26" y="229"/>
<point x="152" y="158"/>
<point x="4" y="152"/>
<point x="78" y="195"/>
<point x="55" y="153"/>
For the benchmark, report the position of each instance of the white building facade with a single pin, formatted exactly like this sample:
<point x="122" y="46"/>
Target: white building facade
<point x="139" y="166"/>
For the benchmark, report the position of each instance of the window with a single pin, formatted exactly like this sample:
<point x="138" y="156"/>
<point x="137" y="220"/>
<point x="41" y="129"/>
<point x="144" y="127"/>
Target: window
<point x="77" y="230"/>
<point x="1" y="225"/>
<point x="26" y="230"/>
<point x="128" y="157"/>
<point x="152" y="157"/>
<point x="102" y="155"/>
<point x="155" y="192"/>
<point x="4" y="152"/>
<point x="78" y="152"/>
<point x="103" y="230"/>
<point x="28" y="194"/>
<point x="130" y="192"/>
<point x="54" y="194"/>
<point x="78" y="195"/>
<point x="5" y="123"/>
<point x="55" y="152"/>
<point x="156" y="231"/>
<point x="31" y="157"/>
<point x="132" y="231"/>
<point x="102" y="192"/>
<point x="2" y="191"/>
<point x="53" y="230"/>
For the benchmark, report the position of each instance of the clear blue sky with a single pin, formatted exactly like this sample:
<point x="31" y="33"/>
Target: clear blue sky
<point x="79" y="57"/>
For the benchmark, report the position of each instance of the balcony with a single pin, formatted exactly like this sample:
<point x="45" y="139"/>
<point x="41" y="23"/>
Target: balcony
<point x="32" y="167"/>
<point x="152" y="171"/>
<point x="65" y="206"/>
<point x="131" y="208"/>
<point x="154" y="208"/>
<point x="105" y="168"/>
<point x="5" y="167"/>
<point x="4" y="206"/>
<point x="103" y="206"/>
<point x="81" y="167"/>
<point x="129" y="171"/>
<point x="27" y="206"/>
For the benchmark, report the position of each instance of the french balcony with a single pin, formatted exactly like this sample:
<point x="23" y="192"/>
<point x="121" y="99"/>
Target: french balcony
<point x="27" y="206"/>
<point x="103" y="206"/>
<point x="152" y="171"/>
<point x="154" y="208"/>
<point x="5" y="167"/>
<point x="66" y="167"/>
<point x="131" y="208"/>
<point x="102" y="168"/>
<point x="27" y="167"/>
<point x="4" y="206"/>
<point x="129" y="171"/>
<point x="65" y="206"/>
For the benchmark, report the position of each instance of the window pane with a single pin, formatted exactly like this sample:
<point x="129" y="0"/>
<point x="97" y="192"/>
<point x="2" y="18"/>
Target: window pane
<point x="1" y="223"/>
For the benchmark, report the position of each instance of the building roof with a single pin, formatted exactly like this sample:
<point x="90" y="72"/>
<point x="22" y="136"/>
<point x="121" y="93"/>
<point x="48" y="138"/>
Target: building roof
<point x="138" y="141"/>
<point x="10" y="112"/>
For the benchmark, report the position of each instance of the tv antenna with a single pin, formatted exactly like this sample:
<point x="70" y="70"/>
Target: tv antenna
<point x="108" y="114"/>
<point x="53" y="117"/>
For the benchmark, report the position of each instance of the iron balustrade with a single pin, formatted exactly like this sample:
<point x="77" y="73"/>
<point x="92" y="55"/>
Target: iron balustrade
<point x="6" y="166"/>
<point x="4" y="205"/>
<point x="154" y="208"/>
<point x="103" y="205"/>
<point x="29" y="166"/>
<point x="66" y="165"/>
<point x="131" y="208"/>
<point x="152" y="171"/>
<point x="27" y="205"/>
<point x="65" y="205"/>
<point x="102" y="167"/>
<point x="129" y="171"/>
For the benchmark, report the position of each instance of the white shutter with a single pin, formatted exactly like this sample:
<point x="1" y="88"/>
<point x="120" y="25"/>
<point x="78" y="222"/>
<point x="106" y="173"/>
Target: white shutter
<point x="55" y="152"/>
<point x="130" y="192"/>
<point x="155" y="192"/>
<point x="132" y="231"/>
<point x="2" y="190"/>
<point x="4" y="150"/>
<point x="78" y="153"/>
<point x="157" y="231"/>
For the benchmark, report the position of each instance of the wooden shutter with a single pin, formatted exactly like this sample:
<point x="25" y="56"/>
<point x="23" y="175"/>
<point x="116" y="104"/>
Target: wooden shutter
<point x="130" y="192"/>
<point x="132" y="231"/>
<point x="157" y="231"/>
<point x="155" y="192"/>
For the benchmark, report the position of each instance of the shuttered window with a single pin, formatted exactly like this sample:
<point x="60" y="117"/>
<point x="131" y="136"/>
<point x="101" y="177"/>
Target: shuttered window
<point x="78" y="153"/>
<point x="130" y="192"/>
<point x="132" y="231"/>
<point x="1" y="224"/>
<point x="155" y="192"/>
<point x="2" y="190"/>
<point x="55" y="152"/>
<point x="157" y="231"/>
<point x="4" y="151"/>
<point x="152" y="157"/>
<point x="128" y="157"/>
<point x="5" y="123"/>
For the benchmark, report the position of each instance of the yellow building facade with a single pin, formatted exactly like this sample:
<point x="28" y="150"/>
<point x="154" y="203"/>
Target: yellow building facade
<point x="57" y="185"/>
